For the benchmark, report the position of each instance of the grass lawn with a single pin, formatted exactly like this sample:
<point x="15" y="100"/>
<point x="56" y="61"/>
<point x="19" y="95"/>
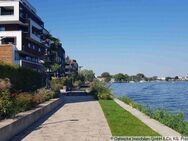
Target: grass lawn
<point x="122" y="123"/>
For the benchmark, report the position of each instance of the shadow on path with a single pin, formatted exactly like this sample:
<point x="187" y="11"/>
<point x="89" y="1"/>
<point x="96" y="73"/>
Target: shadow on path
<point x="39" y="124"/>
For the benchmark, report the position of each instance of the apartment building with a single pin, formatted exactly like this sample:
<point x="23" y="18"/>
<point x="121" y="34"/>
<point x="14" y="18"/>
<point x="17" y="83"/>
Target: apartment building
<point x="23" y="37"/>
<point x="55" y="55"/>
<point x="71" y="66"/>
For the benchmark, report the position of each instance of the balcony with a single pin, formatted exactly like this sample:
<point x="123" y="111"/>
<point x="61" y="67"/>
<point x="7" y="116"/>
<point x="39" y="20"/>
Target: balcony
<point x="31" y="65"/>
<point x="24" y="21"/>
<point x="6" y="11"/>
<point x="9" y="12"/>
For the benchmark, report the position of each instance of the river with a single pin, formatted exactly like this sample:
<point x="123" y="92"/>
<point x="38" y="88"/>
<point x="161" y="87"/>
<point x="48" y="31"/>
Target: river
<point x="172" y="96"/>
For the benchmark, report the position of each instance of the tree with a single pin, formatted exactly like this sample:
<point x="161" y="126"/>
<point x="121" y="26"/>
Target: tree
<point x="119" y="77"/>
<point x="106" y="76"/>
<point x="140" y="75"/>
<point x="88" y="74"/>
<point x="176" y="78"/>
<point x="51" y="63"/>
<point x="168" y="78"/>
<point x="133" y="78"/>
<point x="154" y="78"/>
<point x="55" y="67"/>
<point x="126" y="77"/>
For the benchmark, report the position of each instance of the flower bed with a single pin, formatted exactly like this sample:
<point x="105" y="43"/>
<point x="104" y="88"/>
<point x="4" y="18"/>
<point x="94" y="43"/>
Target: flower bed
<point x="13" y="103"/>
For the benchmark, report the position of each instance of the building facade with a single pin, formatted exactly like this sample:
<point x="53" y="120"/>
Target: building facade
<point x="55" y="55"/>
<point x="22" y="35"/>
<point x="71" y="66"/>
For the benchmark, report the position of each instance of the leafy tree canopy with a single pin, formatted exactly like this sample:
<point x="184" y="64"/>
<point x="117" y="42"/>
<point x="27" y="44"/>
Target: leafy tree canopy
<point x="107" y="77"/>
<point x="120" y="77"/>
<point x="89" y="75"/>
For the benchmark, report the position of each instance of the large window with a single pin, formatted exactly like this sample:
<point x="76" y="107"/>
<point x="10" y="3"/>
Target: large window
<point x="8" y="40"/>
<point x="7" y="11"/>
<point x="2" y="28"/>
<point x="37" y="32"/>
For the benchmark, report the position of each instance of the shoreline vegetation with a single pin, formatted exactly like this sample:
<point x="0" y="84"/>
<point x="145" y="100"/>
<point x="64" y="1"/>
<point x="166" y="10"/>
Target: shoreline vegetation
<point x="174" y="121"/>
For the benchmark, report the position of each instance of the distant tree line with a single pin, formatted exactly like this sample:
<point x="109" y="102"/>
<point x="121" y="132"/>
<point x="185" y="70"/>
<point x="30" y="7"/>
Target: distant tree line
<point x="120" y="77"/>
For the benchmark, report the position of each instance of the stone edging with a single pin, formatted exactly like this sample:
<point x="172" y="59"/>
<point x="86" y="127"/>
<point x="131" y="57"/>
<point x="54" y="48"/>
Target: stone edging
<point x="160" y="128"/>
<point x="11" y="127"/>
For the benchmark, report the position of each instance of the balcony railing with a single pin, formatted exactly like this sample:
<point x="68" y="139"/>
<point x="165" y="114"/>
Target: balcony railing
<point x="26" y="3"/>
<point x="31" y="62"/>
<point x="7" y="14"/>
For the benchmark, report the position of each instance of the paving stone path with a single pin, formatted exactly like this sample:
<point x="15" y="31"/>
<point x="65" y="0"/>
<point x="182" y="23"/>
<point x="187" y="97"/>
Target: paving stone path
<point x="79" y="119"/>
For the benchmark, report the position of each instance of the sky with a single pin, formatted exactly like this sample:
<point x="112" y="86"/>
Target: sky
<point x="127" y="36"/>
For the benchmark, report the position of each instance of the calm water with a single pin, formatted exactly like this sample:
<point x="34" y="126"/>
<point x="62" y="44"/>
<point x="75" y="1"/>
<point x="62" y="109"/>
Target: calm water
<point x="168" y="95"/>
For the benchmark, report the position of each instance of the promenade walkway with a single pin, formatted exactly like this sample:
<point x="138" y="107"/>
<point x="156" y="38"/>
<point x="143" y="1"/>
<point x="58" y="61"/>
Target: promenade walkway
<point x="79" y="119"/>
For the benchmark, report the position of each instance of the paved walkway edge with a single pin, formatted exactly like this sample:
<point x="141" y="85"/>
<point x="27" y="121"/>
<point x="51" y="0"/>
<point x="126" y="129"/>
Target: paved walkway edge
<point x="160" y="128"/>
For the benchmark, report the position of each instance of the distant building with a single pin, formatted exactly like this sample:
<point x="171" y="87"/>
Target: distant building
<point x="71" y="66"/>
<point x="161" y="78"/>
<point x="56" y="56"/>
<point x="183" y="78"/>
<point x="61" y="60"/>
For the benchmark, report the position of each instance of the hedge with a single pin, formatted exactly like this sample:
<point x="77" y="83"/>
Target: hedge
<point x="22" y="79"/>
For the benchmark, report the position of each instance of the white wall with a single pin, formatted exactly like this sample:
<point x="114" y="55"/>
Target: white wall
<point x="10" y="18"/>
<point x="14" y="34"/>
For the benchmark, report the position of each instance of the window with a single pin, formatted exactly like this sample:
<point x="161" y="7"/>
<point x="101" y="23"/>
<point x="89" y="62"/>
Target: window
<point x="37" y="32"/>
<point x="2" y="28"/>
<point x="7" y="11"/>
<point x="9" y="41"/>
<point x="28" y="58"/>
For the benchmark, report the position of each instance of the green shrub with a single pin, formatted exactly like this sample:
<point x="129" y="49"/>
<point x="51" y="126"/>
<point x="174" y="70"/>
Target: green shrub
<point x="69" y="81"/>
<point x="11" y="104"/>
<point x="77" y="83"/>
<point x="6" y="105"/>
<point x="131" y="103"/>
<point x="57" y="84"/>
<point x="45" y="94"/>
<point x="5" y="84"/>
<point x="23" y="102"/>
<point x="101" y="90"/>
<point x="106" y="96"/>
<point x="22" y="79"/>
<point x="186" y="129"/>
<point x="36" y="100"/>
<point x="26" y="101"/>
<point x="175" y="121"/>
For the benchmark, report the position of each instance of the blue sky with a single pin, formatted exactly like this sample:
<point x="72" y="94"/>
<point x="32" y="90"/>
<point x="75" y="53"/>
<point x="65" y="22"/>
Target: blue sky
<point x="128" y="36"/>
